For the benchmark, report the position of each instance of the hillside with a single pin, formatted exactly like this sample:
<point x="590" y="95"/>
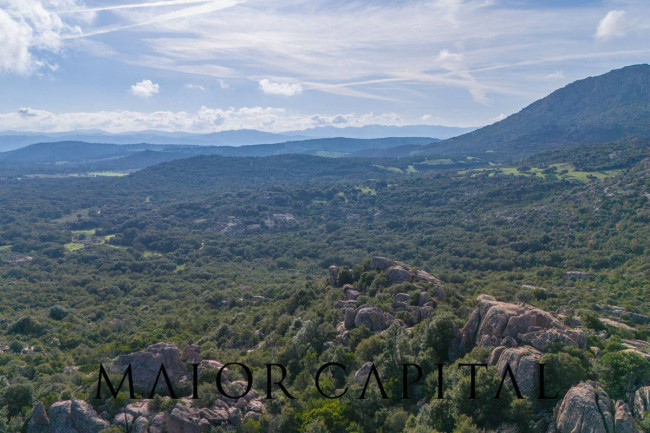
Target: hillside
<point x="608" y="107"/>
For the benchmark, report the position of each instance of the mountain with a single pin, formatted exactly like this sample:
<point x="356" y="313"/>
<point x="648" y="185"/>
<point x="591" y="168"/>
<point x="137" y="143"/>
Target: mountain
<point x="77" y="156"/>
<point x="241" y="137"/>
<point x="379" y="131"/>
<point x="16" y="140"/>
<point x="608" y="107"/>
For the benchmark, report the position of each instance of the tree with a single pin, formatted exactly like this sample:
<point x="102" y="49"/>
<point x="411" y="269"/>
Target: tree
<point x="622" y="372"/>
<point x="15" y="397"/>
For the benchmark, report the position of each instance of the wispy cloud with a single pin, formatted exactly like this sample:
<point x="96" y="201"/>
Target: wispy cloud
<point x="130" y="6"/>
<point x="205" y="8"/>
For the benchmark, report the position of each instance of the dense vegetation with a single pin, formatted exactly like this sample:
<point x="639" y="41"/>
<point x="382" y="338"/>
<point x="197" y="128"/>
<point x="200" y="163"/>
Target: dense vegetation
<point x="91" y="268"/>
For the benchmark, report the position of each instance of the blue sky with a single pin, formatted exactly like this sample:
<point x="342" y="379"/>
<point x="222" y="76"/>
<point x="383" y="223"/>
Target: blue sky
<point x="202" y="66"/>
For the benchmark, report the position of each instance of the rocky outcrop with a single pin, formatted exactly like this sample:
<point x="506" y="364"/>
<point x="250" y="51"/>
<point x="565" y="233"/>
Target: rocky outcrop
<point x="334" y="276"/>
<point x="524" y="362"/>
<point x="398" y="272"/>
<point x="146" y="364"/>
<point x="39" y="422"/>
<point x="191" y="354"/>
<point x="492" y="321"/>
<point x="373" y="318"/>
<point x="642" y="401"/>
<point x="75" y="416"/>
<point x="623" y="420"/>
<point x="586" y="408"/>
<point x="361" y="374"/>
<point x="380" y="263"/>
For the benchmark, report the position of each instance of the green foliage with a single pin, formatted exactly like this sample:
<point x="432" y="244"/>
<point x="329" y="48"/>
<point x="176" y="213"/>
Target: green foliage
<point x="622" y="372"/>
<point x="16" y="397"/>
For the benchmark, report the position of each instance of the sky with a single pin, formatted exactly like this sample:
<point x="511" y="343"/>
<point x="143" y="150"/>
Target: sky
<point x="284" y="65"/>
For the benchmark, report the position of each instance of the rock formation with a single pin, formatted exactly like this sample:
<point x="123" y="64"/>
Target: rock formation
<point x="146" y="364"/>
<point x="586" y="408"/>
<point x="524" y="362"/>
<point x="74" y="416"/>
<point x="492" y="321"/>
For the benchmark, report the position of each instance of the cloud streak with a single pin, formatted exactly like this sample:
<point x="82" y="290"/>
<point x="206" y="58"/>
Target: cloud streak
<point x="206" y="119"/>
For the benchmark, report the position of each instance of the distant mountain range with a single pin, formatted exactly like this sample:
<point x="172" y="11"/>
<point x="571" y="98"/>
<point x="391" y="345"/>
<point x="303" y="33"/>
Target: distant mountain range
<point x="73" y="156"/>
<point x="242" y="137"/>
<point x="599" y="109"/>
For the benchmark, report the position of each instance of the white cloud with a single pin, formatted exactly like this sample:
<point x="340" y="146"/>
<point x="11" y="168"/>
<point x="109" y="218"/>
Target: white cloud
<point x="613" y="25"/>
<point x="206" y="119"/>
<point x="195" y="87"/>
<point x="30" y="30"/>
<point x="145" y="89"/>
<point x="277" y="88"/>
<point x="557" y="75"/>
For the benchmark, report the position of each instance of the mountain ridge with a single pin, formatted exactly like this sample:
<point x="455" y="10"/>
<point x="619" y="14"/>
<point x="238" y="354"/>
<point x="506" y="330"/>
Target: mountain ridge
<point x="607" y="107"/>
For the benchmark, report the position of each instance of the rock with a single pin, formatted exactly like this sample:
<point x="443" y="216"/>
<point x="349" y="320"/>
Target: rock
<point x="349" y="315"/>
<point x="251" y="415"/>
<point x="345" y="304"/>
<point x="334" y="276"/>
<point x="183" y="419"/>
<point x="141" y="425"/>
<point x="399" y="306"/>
<point x="159" y="423"/>
<point x="39" y="422"/>
<point x="351" y="295"/>
<point x="373" y="318"/>
<point x="380" y="263"/>
<point x="524" y="363"/>
<point x="361" y="375"/>
<point x="541" y="339"/>
<point x="425" y="313"/>
<point x="492" y="321"/>
<point x="146" y="364"/>
<point x="509" y="342"/>
<point x="75" y="416"/>
<point x="642" y="401"/>
<point x="234" y="416"/>
<point x="638" y="318"/>
<point x="423" y="299"/>
<point x="191" y="354"/>
<point x="402" y="297"/>
<point x="124" y="420"/>
<point x="623" y="420"/>
<point x="586" y="408"/>
<point x="439" y="293"/>
<point x="256" y="406"/>
<point x="397" y="274"/>
<point x="577" y="275"/>
<point x="425" y="276"/>
<point x="347" y="287"/>
<point x="138" y="409"/>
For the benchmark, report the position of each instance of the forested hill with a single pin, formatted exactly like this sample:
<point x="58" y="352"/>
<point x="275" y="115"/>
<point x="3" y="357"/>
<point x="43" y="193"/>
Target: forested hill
<point x="608" y="107"/>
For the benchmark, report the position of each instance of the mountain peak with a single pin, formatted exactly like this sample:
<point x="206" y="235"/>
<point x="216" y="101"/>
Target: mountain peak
<point x="607" y="107"/>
